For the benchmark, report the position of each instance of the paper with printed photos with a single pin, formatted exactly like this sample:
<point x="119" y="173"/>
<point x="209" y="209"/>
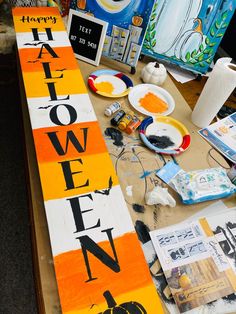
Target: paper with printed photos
<point x="197" y="259"/>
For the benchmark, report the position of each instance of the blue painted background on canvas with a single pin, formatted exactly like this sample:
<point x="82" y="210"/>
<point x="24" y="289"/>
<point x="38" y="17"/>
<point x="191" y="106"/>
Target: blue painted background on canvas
<point x="128" y="20"/>
<point x="187" y="32"/>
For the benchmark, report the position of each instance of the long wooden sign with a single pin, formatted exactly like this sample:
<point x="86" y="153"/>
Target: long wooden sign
<point x="99" y="264"/>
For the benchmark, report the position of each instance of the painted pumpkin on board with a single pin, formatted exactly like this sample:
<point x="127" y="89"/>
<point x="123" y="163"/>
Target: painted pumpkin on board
<point x="130" y="307"/>
<point x="81" y="4"/>
<point x="137" y="20"/>
<point x="154" y="73"/>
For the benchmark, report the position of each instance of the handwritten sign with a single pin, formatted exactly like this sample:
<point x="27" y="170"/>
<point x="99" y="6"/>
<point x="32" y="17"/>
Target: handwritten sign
<point x="87" y="35"/>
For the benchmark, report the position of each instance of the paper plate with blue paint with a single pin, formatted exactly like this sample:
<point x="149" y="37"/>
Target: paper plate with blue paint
<point x="110" y="83"/>
<point x="164" y="135"/>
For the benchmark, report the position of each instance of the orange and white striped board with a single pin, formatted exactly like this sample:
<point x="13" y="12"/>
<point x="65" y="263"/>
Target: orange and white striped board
<point x="98" y="260"/>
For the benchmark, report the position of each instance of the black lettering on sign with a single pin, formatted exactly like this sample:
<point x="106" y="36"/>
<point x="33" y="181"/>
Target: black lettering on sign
<point x="70" y="137"/>
<point x="77" y="213"/>
<point x="54" y="113"/>
<point x="47" y="71"/>
<point x="36" y="33"/>
<point x="68" y="174"/>
<point x="87" y="244"/>
<point x="53" y="94"/>
<point x="49" y="50"/>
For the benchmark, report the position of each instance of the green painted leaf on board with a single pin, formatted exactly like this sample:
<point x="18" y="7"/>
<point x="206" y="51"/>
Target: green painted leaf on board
<point x="212" y="32"/>
<point x="153" y="43"/>
<point x="152" y="26"/>
<point x="224" y="15"/>
<point x="188" y="56"/>
<point x="194" y="52"/>
<point x="207" y="41"/>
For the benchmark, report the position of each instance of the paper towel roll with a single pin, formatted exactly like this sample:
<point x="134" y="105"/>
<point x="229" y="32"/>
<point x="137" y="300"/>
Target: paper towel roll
<point x="216" y="91"/>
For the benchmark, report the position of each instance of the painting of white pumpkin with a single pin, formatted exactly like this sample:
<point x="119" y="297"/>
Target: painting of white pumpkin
<point x="187" y="32"/>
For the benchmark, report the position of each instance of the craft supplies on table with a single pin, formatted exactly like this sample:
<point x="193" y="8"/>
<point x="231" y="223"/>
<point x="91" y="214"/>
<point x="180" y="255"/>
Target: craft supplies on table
<point x="164" y="135"/>
<point x="114" y="107"/>
<point x="115" y="120"/>
<point x="151" y="100"/>
<point x="222" y="135"/>
<point x="216" y="91"/>
<point x="110" y="83"/>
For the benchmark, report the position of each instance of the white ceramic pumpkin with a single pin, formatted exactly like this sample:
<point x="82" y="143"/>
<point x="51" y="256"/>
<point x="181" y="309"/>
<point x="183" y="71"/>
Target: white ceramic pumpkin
<point x="154" y="73"/>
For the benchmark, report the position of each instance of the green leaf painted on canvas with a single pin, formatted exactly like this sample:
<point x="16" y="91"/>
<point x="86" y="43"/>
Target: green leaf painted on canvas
<point x="188" y="56"/>
<point x="211" y="51"/>
<point x="224" y="25"/>
<point x="201" y="47"/>
<point x="193" y="61"/>
<point x="207" y="50"/>
<point x="207" y="41"/>
<point x="153" y="16"/>
<point x="146" y="45"/>
<point x="152" y="35"/>
<point x="209" y="60"/>
<point x="200" y="57"/>
<point x="224" y="15"/>
<point x="153" y="43"/>
<point x="193" y="54"/>
<point x="217" y="25"/>
<point x="219" y="35"/>
<point x="202" y="64"/>
<point x="152" y="26"/>
<point x="212" y="44"/>
<point x="212" y="32"/>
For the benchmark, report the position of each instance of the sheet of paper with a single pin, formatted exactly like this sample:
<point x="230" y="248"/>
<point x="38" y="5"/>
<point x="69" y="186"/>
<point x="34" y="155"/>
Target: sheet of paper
<point x="179" y="74"/>
<point x="222" y="135"/>
<point x="197" y="258"/>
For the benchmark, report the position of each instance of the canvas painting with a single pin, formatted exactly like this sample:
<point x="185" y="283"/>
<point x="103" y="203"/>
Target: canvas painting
<point x="186" y="32"/>
<point x="128" y="20"/>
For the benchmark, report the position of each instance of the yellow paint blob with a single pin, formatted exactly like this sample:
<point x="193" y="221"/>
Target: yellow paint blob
<point x="105" y="87"/>
<point x="153" y="103"/>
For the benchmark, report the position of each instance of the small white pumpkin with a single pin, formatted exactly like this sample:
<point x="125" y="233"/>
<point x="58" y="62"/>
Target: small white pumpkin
<point x="154" y="73"/>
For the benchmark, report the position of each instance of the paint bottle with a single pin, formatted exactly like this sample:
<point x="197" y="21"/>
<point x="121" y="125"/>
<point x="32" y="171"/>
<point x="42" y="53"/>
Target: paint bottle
<point x="123" y="123"/>
<point x="115" y="106"/>
<point x="133" y="125"/>
<point x="120" y="114"/>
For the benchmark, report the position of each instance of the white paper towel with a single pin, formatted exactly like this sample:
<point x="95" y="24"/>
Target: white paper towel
<point x="216" y="91"/>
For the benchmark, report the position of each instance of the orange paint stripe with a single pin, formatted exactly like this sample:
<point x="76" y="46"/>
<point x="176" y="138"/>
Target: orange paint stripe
<point x="56" y="23"/>
<point x="36" y="11"/>
<point x="95" y="168"/>
<point x="30" y="62"/>
<point x="47" y="153"/>
<point x="71" y="83"/>
<point x="134" y="274"/>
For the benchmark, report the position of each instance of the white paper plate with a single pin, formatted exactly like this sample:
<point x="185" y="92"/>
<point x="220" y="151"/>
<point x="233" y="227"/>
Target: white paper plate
<point x="139" y="91"/>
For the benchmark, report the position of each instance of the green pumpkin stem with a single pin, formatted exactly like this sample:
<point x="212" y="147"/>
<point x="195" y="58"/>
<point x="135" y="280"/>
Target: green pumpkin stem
<point x="109" y="298"/>
<point x="157" y="65"/>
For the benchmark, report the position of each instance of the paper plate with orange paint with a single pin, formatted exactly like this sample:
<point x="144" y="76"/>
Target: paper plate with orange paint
<point x="151" y="100"/>
<point x="110" y="83"/>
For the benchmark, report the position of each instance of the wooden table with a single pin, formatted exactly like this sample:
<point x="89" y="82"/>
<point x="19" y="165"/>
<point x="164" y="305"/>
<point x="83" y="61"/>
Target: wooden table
<point x="196" y="157"/>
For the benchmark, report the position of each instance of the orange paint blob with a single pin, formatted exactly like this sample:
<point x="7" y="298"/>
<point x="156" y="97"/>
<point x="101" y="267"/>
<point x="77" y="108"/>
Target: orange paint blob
<point x="104" y="87"/>
<point x="153" y="103"/>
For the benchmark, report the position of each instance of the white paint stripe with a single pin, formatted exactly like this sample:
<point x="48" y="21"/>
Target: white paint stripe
<point x="110" y="209"/>
<point x="60" y="40"/>
<point x="40" y="117"/>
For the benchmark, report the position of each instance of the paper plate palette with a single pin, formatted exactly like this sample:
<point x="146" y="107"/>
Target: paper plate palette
<point x="151" y="100"/>
<point x="164" y="135"/>
<point x="110" y="83"/>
